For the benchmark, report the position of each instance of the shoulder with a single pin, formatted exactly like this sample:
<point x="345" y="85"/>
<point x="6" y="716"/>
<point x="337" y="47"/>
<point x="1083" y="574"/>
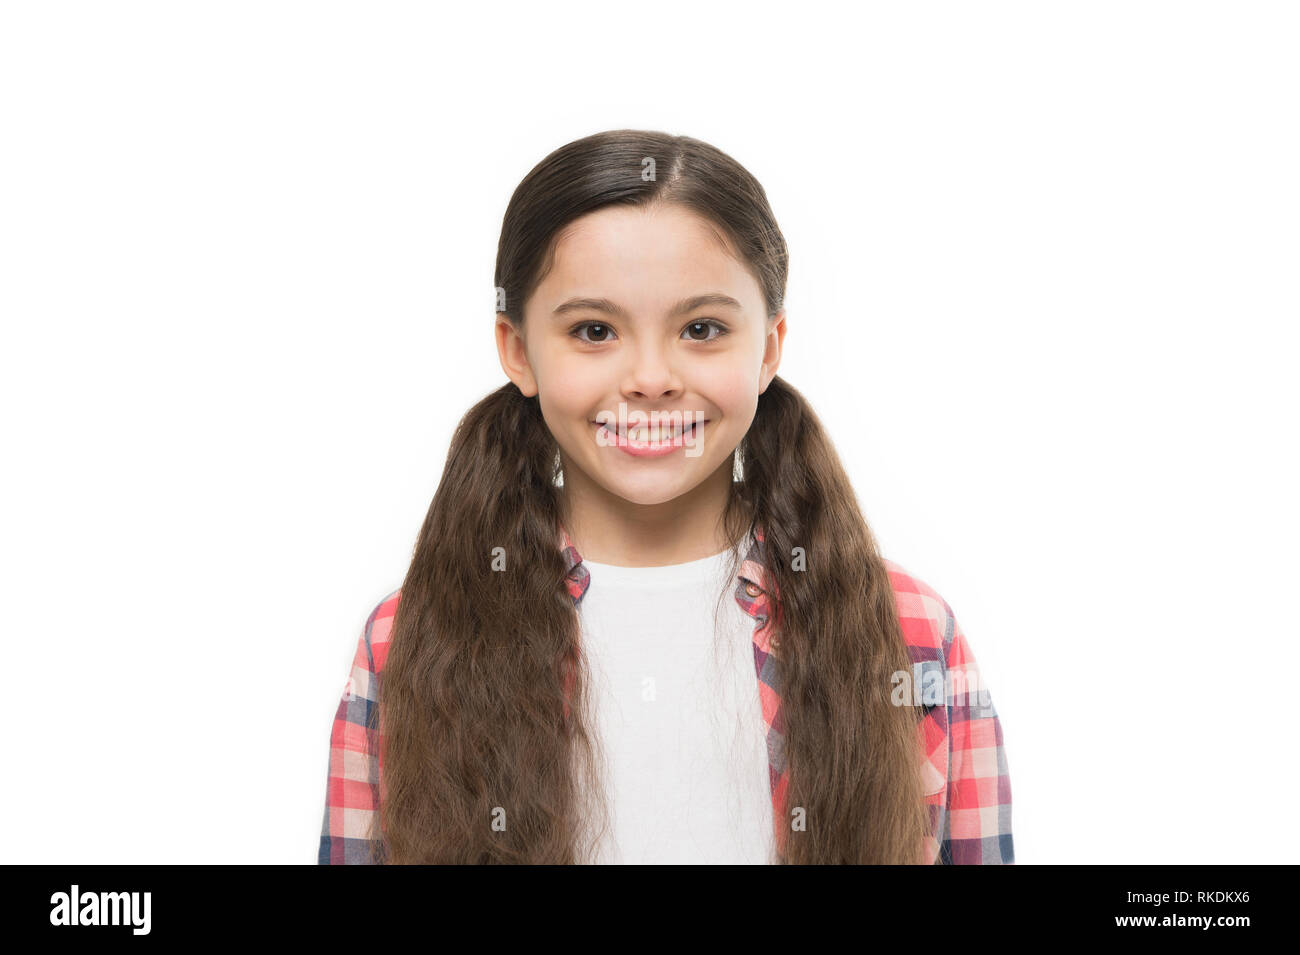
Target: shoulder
<point x="379" y="628"/>
<point x="925" y="616"/>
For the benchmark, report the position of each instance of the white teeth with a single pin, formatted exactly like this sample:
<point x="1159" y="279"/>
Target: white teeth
<point x="655" y="435"/>
<point x="642" y="434"/>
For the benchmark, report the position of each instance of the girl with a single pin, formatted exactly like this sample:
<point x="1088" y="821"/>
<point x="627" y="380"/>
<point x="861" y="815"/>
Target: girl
<point x="549" y="685"/>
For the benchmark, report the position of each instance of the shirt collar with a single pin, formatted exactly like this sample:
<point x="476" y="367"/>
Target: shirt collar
<point x="752" y="574"/>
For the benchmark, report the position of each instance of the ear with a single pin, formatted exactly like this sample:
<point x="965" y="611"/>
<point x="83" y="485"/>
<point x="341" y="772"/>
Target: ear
<point x="772" y="350"/>
<point x="513" y="355"/>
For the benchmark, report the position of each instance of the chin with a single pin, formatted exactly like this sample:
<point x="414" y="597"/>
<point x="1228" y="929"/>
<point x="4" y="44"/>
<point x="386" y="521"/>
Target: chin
<point x="647" y="493"/>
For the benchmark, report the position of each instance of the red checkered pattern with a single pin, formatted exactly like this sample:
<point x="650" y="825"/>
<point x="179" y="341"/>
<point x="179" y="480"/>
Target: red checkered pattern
<point x="961" y="756"/>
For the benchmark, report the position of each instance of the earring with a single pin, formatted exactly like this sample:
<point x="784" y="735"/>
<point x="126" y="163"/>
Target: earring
<point x="737" y="466"/>
<point x="558" y="471"/>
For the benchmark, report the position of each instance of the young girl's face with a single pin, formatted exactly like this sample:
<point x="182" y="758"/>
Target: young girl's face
<point x="622" y="319"/>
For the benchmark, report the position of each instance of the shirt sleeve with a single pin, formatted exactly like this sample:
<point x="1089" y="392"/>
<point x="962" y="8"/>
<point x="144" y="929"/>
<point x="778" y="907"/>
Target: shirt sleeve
<point x="977" y="823"/>
<point x="352" y="790"/>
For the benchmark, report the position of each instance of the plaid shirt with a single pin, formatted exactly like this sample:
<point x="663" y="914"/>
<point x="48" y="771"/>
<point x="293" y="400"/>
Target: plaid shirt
<point x="963" y="763"/>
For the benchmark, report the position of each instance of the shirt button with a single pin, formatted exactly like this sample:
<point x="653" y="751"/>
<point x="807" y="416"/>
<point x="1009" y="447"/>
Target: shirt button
<point x="753" y="590"/>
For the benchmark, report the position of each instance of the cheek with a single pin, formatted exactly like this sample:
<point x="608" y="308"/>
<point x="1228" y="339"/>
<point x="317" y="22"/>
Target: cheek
<point x="564" y="396"/>
<point x="735" y="395"/>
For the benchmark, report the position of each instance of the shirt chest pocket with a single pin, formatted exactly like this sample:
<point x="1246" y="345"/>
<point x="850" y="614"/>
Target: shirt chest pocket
<point x="933" y="729"/>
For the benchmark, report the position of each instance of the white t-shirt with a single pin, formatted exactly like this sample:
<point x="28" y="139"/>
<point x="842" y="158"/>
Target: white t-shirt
<point x="677" y="714"/>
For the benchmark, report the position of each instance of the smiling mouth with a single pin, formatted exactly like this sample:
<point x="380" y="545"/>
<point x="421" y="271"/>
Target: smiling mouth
<point x="650" y="436"/>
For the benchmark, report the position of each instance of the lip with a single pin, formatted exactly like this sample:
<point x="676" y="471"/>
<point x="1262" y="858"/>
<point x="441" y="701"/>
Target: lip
<point x="648" y="449"/>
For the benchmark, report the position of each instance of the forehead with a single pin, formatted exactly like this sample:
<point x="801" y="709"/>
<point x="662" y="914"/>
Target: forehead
<point x="646" y="258"/>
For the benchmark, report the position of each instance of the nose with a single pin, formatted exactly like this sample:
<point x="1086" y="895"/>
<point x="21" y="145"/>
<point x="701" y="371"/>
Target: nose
<point x="650" y="373"/>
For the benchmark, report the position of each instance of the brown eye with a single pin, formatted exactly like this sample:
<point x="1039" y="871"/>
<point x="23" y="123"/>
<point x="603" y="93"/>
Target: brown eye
<point x="598" y="340"/>
<point x="705" y="326"/>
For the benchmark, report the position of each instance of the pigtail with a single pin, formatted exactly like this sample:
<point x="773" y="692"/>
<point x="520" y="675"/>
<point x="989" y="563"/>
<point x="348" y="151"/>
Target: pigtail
<point x="851" y="754"/>
<point x="477" y="749"/>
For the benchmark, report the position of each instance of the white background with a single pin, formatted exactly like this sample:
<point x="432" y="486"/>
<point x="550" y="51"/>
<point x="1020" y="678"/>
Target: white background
<point x="1043" y="292"/>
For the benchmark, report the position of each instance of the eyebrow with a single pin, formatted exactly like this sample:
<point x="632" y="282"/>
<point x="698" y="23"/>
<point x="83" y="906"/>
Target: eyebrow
<point x="716" y="299"/>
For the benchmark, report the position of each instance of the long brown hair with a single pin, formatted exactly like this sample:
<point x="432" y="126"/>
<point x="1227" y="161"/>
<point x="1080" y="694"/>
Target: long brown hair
<point x="482" y="710"/>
